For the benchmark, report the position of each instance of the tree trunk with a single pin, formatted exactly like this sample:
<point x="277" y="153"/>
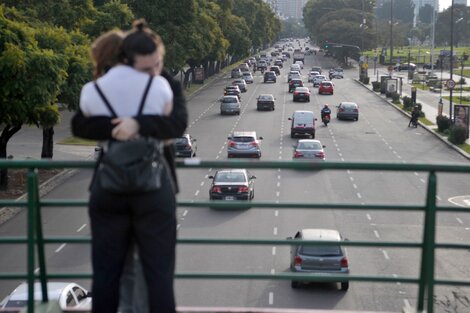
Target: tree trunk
<point x="47" y="143"/>
<point x="188" y="78"/>
<point x="7" y="133"/>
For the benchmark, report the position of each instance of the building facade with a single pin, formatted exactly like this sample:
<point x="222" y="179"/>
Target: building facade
<point x="291" y="8"/>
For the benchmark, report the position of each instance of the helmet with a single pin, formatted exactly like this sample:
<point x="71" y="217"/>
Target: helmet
<point x="326" y="105"/>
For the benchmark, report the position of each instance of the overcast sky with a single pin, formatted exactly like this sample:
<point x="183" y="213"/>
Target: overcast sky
<point x="443" y="4"/>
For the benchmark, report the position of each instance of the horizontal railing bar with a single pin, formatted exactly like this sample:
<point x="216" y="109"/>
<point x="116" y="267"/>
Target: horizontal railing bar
<point x="197" y="163"/>
<point x="13" y="203"/>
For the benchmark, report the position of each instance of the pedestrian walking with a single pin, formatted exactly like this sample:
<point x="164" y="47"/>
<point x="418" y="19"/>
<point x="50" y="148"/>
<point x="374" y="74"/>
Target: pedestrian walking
<point x="148" y="217"/>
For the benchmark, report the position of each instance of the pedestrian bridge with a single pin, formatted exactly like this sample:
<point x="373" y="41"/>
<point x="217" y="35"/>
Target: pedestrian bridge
<point x="426" y="280"/>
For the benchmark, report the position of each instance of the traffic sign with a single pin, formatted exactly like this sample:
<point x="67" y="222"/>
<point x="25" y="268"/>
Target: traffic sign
<point x="450" y="84"/>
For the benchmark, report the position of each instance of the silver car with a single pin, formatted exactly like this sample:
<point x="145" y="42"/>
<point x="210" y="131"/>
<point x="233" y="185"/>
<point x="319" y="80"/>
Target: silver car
<point x="68" y="295"/>
<point x="230" y="105"/>
<point x="248" y="77"/>
<point x="241" y="83"/>
<point x="318" y="79"/>
<point x="293" y="75"/>
<point x="322" y="259"/>
<point x="244" y="144"/>
<point x="309" y="149"/>
<point x="347" y="110"/>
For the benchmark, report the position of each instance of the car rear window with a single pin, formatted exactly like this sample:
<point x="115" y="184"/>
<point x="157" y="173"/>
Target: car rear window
<point x="243" y="139"/>
<point x="304" y="119"/>
<point x="265" y="98"/>
<point x="326" y="85"/>
<point x="230" y="100"/>
<point x="309" y="145"/>
<point x="321" y="250"/>
<point x="229" y="177"/>
<point x="348" y="106"/>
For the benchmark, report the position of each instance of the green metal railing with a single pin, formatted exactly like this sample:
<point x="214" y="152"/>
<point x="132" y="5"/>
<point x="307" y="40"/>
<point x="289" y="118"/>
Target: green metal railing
<point x="426" y="280"/>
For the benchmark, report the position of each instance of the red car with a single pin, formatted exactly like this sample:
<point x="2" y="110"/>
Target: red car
<point x="326" y="87"/>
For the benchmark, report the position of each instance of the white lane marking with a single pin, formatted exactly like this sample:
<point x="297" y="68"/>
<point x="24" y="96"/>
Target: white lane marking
<point x="416" y="173"/>
<point x="279" y="170"/>
<point x="376" y="233"/>
<point x="407" y="303"/>
<point x="280" y="157"/>
<point x="280" y="152"/>
<point x="276" y="213"/>
<point x="36" y="270"/>
<point x="273" y="271"/>
<point x="202" y="183"/>
<point x="342" y="159"/>
<point x="422" y="180"/>
<point x="359" y="195"/>
<point x="278" y="176"/>
<point x="178" y="226"/>
<point x="278" y="184"/>
<point x="271" y="298"/>
<point x="274" y="251"/>
<point x="351" y="178"/>
<point x="398" y="156"/>
<point x="196" y="193"/>
<point x="275" y="231"/>
<point x="354" y="186"/>
<point x="349" y="172"/>
<point x="385" y="255"/>
<point x="459" y="220"/>
<point x="217" y="157"/>
<point x="340" y="154"/>
<point x="277" y="193"/>
<point x="81" y="228"/>
<point x="368" y="217"/>
<point x="60" y="248"/>
<point x="210" y="170"/>
<point x="438" y="198"/>
<point x="185" y="212"/>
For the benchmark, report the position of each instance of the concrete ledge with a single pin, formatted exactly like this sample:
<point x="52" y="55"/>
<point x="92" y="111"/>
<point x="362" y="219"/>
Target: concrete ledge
<point x="427" y="128"/>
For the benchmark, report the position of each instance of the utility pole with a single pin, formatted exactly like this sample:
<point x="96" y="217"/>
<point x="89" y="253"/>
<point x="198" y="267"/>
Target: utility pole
<point x="391" y="31"/>
<point x="451" y="56"/>
<point x="433" y="34"/>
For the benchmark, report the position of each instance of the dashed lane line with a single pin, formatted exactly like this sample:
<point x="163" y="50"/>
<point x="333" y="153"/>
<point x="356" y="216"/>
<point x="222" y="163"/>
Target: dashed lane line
<point x="368" y="217"/>
<point x="271" y="298"/>
<point x="275" y="231"/>
<point x="386" y="256"/>
<point x="459" y="220"/>
<point x="62" y="246"/>
<point x="197" y="192"/>
<point x="376" y="233"/>
<point x="273" y="251"/>
<point x="81" y="228"/>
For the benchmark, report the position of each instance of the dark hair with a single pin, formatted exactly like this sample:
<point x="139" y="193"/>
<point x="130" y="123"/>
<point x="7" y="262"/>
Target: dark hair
<point x="140" y="40"/>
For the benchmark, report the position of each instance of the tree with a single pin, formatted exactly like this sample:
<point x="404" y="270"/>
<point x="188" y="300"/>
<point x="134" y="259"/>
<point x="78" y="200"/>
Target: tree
<point x="403" y="10"/>
<point x="293" y="28"/>
<point x="425" y="14"/>
<point x="461" y="25"/>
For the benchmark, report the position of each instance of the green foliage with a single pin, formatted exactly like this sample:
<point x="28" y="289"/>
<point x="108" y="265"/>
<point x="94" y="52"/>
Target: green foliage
<point x="403" y="10"/>
<point x="395" y="96"/>
<point x="443" y="123"/>
<point x="457" y="135"/>
<point x="407" y="103"/>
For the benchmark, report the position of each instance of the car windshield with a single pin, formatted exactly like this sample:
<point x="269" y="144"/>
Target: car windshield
<point x="348" y="105"/>
<point x="17" y="303"/>
<point x="227" y="177"/>
<point x="230" y="100"/>
<point x="320" y="250"/>
<point x="309" y="146"/>
<point x="181" y="141"/>
<point x="243" y="139"/>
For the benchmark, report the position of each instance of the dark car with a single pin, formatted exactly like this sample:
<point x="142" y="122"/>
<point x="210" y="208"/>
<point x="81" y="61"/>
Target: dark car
<point x="279" y="63"/>
<point x="294" y="83"/>
<point x="186" y="146"/>
<point x="275" y="69"/>
<point x="265" y="102"/>
<point x="232" y="184"/>
<point x="301" y="94"/>
<point x="270" y="76"/>
<point x="287" y="54"/>
<point x="404" y="67"/>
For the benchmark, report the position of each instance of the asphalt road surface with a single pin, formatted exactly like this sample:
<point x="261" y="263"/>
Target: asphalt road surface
<point x="381" y="134"/>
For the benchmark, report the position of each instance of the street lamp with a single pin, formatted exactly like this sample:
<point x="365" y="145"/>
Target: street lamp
<point x="451" y="55"/>
<point x="391" y="31"/>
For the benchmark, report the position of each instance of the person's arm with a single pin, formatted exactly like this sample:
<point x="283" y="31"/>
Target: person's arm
<point x="157" y="126"/>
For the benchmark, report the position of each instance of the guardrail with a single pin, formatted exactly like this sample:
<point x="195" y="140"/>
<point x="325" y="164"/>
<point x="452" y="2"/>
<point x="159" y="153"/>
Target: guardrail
<point x="426" y="280"/>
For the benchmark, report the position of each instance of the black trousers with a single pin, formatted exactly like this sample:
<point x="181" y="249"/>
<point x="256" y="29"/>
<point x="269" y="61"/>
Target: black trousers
<point x="149" y="219"/>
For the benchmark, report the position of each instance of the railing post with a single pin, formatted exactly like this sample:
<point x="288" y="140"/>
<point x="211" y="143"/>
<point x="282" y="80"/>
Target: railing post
<point x="32" y="197"/>
<point x="40" y="243"/>
<point x="426" y="284"/>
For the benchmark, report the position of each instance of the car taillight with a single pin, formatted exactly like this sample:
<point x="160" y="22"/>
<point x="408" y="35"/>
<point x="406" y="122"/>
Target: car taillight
<point x="340" y="110"/>
<point x="254" y="144"/>
<point x="216" y="189"/>
<point x="296" y="93"/>
<point x="297" y="261"/>
<point x="188" y="147"/>
<point x="297" y="154"/>
<point x="232" y="144"/>
<point x="243" y="189"/>
<point x="356" y="110"/>
<point x="320" y="155"/>
<point x="344" y="262"/>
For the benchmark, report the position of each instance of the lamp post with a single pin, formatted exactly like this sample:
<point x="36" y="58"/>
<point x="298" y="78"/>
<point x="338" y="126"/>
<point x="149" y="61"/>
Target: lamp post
<point x="391" y="31"/>
<point x="433" y="35"/>
<point x="451" y="55"/>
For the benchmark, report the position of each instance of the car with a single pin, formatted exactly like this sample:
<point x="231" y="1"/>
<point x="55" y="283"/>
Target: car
<point x="347" y="110"/>
<point x="312" y="75"/>
<point x="316" y="69"/>
<point x="265" y="102"/>
<point x="68" y="295"/>
<point x="286" y="54"/>
<point x="309" y="149"/>
<point x="318" y="79"/>
<point x="276" y="70"/>
<point x="244" y="67"/>
<point x="284" y="57"/>
<point x="241" y="83"/>
<point x="337" y="73"/>
<point x="232" y="184"/>
<point x="404" y="67"/>
<point x="302" y="123"/>
<point x="274" y="53"/>
<point x="186" y="146"/>
<point x="326" y="87"/>
<point x="248" y="77"/>
<point x="300" y="63"/>
<point x="236" y="73"/>
<point x="321" y="259"/>
<point x="279" y="63"/>
<point x="233" y="91"/>
<point x="301" y="93"/>
<point x="270" y="76"/>
<point x="294" y="83"/>
<point x="262" y="65"/>
<point x="230" y="105"/>
<point x="293" y="75"/>
<point x="295" y="67"/>
<point x="244" y="144"/>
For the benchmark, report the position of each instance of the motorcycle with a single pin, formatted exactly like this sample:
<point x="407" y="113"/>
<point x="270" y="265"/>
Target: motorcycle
<point x="413" y="122"/>
<point x="262" y="70"/>
<point x="326" y="119"/>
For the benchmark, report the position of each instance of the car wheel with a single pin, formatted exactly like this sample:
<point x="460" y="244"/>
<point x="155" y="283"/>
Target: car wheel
<point x="294" y="284"/>
<point x="308" y="99"/>
<point x="357" y="118"/>
<point x="313" y="136"/>
<point x="344" y="286"/>
<point x="272" y="108"/>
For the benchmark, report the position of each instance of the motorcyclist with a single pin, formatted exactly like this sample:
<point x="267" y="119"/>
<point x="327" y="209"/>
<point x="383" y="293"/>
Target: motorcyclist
<point x="414" y="117"/>
<point x="325" y="111"/>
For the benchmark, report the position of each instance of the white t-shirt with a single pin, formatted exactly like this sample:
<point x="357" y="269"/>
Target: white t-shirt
<point x="124" y="87"/>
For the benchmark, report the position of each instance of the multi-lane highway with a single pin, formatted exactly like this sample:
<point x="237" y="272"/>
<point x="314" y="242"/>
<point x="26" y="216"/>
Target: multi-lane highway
<point x="381" y="134"/>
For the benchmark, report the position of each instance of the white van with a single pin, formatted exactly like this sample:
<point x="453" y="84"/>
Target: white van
<point x="295" y="67"/>
<point x="303" y="123"/>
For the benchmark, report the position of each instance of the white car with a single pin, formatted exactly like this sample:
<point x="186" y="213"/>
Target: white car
<point x="248" y="77"/>
<point x="300" y="63"/>
<point x="69" y="295"/>
<point x="293" y="75"/>
<point x="295" y="67"/>
<point x="312" y="75"/>
<point x="318" y="79"/>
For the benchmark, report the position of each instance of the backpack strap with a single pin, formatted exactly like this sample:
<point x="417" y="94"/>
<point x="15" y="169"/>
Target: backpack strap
<point x="105" y="100"/>
<point x="144" y="96"/>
